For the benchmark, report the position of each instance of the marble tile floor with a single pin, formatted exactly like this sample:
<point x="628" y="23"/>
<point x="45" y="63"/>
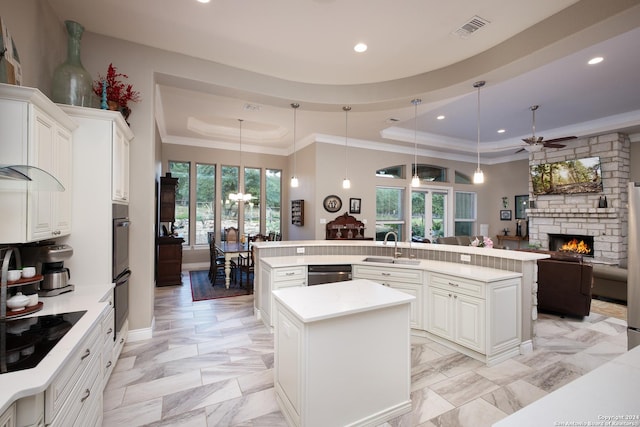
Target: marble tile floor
<point x="210" y="363"/>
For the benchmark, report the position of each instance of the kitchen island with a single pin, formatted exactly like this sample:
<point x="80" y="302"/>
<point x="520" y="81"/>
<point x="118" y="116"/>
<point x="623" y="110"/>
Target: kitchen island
<point x="330" y="344"/>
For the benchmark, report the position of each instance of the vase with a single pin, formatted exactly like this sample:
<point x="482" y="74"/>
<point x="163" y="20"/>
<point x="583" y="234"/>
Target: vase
<point x="72" y="84"/>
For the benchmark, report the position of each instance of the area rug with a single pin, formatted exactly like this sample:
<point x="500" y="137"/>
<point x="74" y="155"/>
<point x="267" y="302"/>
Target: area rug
<point x="201" y="288"/>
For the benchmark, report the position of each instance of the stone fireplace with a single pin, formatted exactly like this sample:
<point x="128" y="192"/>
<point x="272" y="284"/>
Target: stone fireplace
<point x="579" y="214"/>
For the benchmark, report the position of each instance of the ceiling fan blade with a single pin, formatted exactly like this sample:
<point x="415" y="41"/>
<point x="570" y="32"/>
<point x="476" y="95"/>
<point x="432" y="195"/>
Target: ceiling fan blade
<point x="533" y="140"/>
<point x="553" y="145"/>
<point x="565" y="138"/>
<point x="520" y="150"/>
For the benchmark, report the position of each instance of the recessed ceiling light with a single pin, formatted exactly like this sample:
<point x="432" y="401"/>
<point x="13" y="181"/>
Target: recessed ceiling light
<point x="440" y="117"/>
<point x="204" y="1"/>
<point x="360" y="47"/>
<point x="596" y="60"/>
<point x="501" y="131"/>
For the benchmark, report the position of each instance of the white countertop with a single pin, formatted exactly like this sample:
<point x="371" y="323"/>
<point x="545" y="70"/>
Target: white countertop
<point x="500" y="253"/>
<point x="484" y="274"/>
<point x="314" y="303"/>
<point x="15" y="385"/>
<point x="606" y="396"/>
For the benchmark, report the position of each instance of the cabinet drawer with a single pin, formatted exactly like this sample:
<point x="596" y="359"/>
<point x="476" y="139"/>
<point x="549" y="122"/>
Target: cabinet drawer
<point x="464" y="286"/>
<point x="289" y="273"/>
<point x="403" y="275"/>
<point x="61" y="387"/>
<point x="82" y="397"/>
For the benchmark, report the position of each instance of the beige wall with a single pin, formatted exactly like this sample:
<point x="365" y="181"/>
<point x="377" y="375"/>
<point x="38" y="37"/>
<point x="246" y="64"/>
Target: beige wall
<point x="40" y="38"/>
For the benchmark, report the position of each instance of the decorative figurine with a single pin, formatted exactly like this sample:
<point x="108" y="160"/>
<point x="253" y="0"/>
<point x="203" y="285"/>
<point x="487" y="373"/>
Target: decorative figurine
<point x="103" y="99"/>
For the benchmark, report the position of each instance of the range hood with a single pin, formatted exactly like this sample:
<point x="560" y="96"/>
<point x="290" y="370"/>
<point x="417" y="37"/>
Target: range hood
<point x="20" y="177"/>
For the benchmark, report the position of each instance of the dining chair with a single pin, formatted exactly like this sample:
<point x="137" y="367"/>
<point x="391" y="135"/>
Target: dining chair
<point x="246" y="265"/>
<point x="215" y="260"/>
<point x="231" y="234"/>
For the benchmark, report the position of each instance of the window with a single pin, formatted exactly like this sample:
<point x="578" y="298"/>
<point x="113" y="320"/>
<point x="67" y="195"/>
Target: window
<point x="181" y="170"/>
<point x="394" y="172"/>
<point x="205" y="202"/>
<point x="431" y="173"/>
<point x="229" y="214"/>
<point x="466" y="213"/>
<point x="462" y="178"/>
<point x="252" y="208"/>
<point x="273" y="200"/>
<point x="389" y="211"/>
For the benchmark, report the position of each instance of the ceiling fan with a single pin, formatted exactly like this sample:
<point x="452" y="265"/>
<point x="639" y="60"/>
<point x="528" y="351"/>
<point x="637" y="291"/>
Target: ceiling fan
<point x="536" y="143"/>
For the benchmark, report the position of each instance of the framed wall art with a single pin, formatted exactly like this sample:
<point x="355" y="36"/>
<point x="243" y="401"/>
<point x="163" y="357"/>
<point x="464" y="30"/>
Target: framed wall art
<point x="505" y="215"/>
<point x="522" y="203"/>
<point x="354" y="206"/>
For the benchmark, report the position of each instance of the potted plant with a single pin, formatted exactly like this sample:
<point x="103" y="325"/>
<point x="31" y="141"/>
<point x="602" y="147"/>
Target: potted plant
<point x="114" y="93"/>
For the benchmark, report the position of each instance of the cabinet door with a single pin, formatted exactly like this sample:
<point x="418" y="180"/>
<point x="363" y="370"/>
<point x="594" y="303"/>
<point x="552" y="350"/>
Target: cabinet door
<point x="469" y="322"/>
<point x="8" y="418"/>
<point x="440" y="313"/>
<point x="288" y="362"/>
<point x="62" y="200"/>
<point x="416" y="304"/>
<point x="120" y="164"/>
<point x="40" y="222"/>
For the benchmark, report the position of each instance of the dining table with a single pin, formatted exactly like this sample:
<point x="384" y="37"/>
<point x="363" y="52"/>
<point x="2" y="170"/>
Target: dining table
<point x="230" y="250"/>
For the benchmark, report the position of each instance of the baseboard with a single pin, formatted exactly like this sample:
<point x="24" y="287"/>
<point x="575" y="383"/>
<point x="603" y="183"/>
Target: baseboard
<point x="142" y="334"/>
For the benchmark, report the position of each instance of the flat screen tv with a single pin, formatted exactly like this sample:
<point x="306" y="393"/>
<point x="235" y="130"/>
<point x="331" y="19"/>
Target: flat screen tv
<point x="567" y="177"/>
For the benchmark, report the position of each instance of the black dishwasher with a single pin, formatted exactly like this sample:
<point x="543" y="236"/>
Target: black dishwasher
<point x="319" y="274"/>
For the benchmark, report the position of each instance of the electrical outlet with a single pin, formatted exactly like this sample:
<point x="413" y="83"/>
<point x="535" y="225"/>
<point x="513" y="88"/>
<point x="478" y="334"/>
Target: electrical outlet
<point x="465" y="258"/>
<point x="299" y="250"/>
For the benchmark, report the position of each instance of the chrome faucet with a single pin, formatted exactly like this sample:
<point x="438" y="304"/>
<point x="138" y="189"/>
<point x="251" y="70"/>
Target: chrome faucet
<point x="396" y="254"/>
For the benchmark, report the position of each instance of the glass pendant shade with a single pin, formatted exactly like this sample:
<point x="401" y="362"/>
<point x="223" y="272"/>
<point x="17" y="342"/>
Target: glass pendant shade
<point x="294" y="182"/>
<point x="239" y="196"/>
<point x="346" y="184"/>
<point x="415" y="181"/>
<point x="478" y="176"/>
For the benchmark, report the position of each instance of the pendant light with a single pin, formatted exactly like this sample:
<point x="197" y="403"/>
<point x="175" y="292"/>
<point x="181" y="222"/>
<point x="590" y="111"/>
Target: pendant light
<point x="415" y="181"/>
<point x="239" y="196"/>
<point x="346" y="184"/>
<point x="478" y="176"/>
<point x="294" y="178"/>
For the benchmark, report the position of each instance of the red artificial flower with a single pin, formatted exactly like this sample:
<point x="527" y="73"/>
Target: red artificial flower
<point x="117" y="91"/>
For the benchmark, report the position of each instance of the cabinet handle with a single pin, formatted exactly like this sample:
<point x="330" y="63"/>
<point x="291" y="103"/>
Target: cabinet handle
<point x="109" y="331"/>
<point x="386" y="274"/>
<point x="289" y="273"/>
<point x="455" y="296"/>
<point x="454" y="284"/>
<point x="86" y="354"/>
<point x="449" y="295"/>
<point x="108" y="364"/>
<point x="121" y="340"/>
<point x="87" y="393"/>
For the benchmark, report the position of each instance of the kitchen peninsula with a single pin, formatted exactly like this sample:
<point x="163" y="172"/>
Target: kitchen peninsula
<point x="479" y="301"/>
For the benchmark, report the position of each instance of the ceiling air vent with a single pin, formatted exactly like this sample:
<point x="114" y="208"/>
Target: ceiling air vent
<point x="473" y="25"/>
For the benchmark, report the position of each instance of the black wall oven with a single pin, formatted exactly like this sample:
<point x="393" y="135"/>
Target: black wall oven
<point x="121" y="271"/>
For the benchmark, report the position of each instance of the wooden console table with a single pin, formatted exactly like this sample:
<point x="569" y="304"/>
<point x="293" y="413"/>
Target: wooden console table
<point x="345" y="227"/>
<point x="518" y="239"/>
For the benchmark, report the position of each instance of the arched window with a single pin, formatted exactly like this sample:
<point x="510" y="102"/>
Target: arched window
<point x="393" y="172"/>
<point x="462" y="178"/>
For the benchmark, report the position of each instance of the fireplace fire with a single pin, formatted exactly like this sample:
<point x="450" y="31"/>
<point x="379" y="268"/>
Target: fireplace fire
<point x="571" y="243"/>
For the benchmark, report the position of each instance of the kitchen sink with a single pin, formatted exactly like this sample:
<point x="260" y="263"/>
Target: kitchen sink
<point x="389" y="260"/>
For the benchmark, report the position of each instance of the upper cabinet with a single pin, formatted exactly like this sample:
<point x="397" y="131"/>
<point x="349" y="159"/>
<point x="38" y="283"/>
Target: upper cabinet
<point x="34" y="132"/>
<point x="102" y="139"/>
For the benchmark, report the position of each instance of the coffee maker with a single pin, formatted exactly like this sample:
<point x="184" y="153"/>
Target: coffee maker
<point x="49" y="258"/>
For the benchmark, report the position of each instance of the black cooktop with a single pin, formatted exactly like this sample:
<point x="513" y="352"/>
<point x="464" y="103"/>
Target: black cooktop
<point x="25" y="342"/>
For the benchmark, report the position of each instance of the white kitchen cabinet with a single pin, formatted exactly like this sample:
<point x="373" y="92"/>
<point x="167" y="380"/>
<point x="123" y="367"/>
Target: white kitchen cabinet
<point x="8" y="418"/>
<point x="483" y="317"/>
<point x="35" y="132"/>
<point x="100" y="171"/>
<point x="278" y="278"/>
<point x="409" y="281"/>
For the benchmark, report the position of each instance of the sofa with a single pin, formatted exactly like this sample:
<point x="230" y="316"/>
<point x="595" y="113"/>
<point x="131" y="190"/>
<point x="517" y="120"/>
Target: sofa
<point x="564" y="284"/>
<point x="610" y="282"/>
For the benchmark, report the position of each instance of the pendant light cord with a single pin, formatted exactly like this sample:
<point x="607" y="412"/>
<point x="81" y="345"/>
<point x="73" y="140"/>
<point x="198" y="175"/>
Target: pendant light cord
<point x="295" y="153"/>
<point x="346" y="139"/>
